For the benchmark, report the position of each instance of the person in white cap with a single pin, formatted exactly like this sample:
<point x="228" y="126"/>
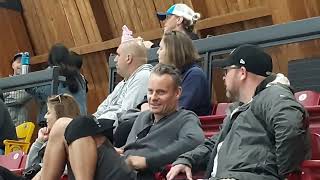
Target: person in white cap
<point x="180" y="17"/>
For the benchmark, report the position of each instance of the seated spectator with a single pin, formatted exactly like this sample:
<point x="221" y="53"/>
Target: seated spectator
<point x="156" y="139"/>
<point x="131" y="64"/>
<point x="16" y="100"/>
<point x="74" y="84"/>
<point x="60" y="106"/>
<point x="7" y="128"/>
<point x="265" y="137"/>
<point x="180" y="17"/>
<point x="177" y="49"/>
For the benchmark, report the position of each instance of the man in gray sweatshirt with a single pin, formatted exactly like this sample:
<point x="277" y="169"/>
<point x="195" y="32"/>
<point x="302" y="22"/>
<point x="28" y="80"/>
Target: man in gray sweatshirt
<point x="158" y="136"/>
<point x="131" y="64"/>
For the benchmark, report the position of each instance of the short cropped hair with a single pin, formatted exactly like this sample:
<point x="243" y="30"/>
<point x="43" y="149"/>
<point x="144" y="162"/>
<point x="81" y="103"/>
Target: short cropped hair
<point x="162" y="69"/>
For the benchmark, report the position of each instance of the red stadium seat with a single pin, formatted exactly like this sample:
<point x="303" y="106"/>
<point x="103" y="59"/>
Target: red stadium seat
<point x="314" y="118"/>
<point x="308" y="98"/>
<point x="14" y="161"/>
<point x="221" y="108"/>
<point x="311" y="168"/>
<point x="211" y="124"/>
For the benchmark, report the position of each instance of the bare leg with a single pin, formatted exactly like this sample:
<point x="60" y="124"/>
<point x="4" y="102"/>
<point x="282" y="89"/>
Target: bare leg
<point x="83" y="158"/>
<point x="55" y="156"/>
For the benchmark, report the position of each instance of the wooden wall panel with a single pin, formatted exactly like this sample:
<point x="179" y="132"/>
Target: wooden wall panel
<point x="32" y="20"/>
<point x="147" y="16"/>
<point x="101" y="20"/>
<point x="116" y="15"/>
<point x="89" y="22"/>
<point x="111" y="21"/>
<point x="13" y="38"/>
<point x="200" y="6"/>
<point x="151" y="14"/>
<point x="79" y="19"/>
<point x="73" y="17"/>
<point x="51" y="17"/>
<point x="95" y="70"/>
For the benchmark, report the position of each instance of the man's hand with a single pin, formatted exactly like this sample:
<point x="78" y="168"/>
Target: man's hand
<point x="136" y="162"/>
<point x="180" y="168"/>
<point x="119" y="151"/>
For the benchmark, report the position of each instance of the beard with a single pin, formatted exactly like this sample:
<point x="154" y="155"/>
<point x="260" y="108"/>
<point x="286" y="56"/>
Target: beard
<point x="232" y="96"/>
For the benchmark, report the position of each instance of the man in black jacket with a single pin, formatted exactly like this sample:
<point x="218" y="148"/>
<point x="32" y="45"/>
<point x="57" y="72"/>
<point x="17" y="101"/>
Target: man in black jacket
<point x="265" y="137"/>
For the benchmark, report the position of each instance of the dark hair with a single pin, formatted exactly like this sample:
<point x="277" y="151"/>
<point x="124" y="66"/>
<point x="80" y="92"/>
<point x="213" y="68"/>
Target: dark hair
<point x="59" y="56"/>
<point x="187" y="26"/>
<point x="75" y="60"/>
<point x="162" y="69"/>
<point x="16" y="56"/>
<point x="179" y="50"/>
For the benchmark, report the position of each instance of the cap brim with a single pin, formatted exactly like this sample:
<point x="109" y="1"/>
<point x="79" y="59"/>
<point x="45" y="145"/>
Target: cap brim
<point x="161" y="16"/>
<point x="221" y="63"/>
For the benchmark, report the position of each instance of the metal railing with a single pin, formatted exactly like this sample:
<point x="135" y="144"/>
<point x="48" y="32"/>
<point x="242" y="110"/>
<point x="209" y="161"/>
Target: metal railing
<point x="268" y="36"/>
<point x="49" y="76"/>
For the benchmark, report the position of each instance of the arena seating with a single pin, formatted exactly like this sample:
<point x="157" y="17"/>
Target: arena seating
<point x="14" y="161"/>
<point x="310" y="168"/>
<point x="308" y="98"/>
<point x="311" y="101"/>
<point x="211" y="124"/>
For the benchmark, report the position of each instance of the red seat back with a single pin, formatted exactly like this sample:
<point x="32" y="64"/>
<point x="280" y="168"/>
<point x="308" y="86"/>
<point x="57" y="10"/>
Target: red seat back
<point x="211" y="124"/>
<point x="315" y="144"/>
<point x="221" y="108"/>
<point x="14" y="160"/>
<point x="314" y="118"/>
<point x="308" y="98"/>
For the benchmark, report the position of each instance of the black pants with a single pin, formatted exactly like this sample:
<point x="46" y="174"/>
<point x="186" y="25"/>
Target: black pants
<point x="122" y="133"/>
<point x="6" y="174"/>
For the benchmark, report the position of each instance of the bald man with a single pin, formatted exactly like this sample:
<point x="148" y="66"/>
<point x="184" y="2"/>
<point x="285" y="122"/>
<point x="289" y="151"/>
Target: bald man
<point x="131" y="64"/>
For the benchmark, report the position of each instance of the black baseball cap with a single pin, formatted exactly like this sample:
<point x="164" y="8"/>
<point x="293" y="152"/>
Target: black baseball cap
<point x="83" y="126"/>
<point x="252" y="57"/>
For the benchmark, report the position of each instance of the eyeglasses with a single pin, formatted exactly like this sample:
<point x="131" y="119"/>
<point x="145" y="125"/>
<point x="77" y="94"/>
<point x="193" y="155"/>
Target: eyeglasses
<point x="226" y="69"/>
